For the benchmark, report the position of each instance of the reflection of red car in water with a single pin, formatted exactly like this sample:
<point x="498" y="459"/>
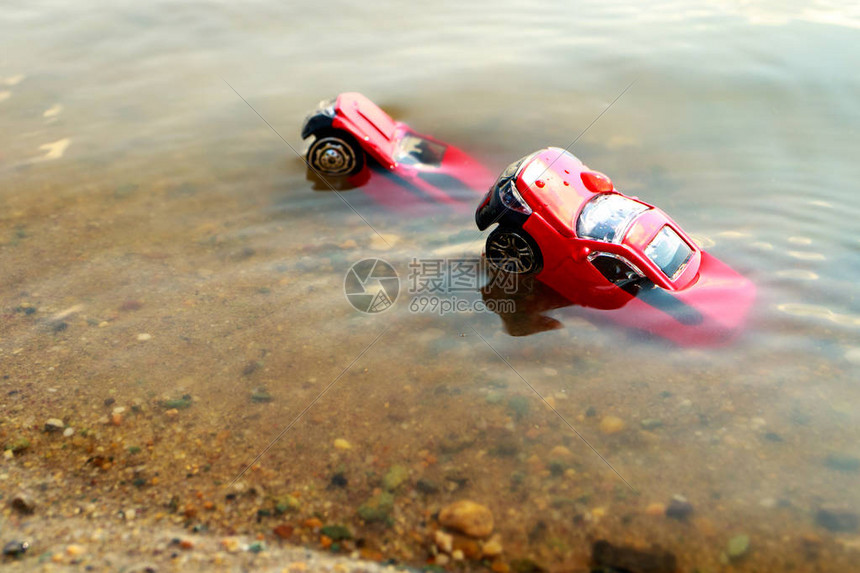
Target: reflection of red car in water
<point x="350" y="133"/>
<point x="568" y="226"/>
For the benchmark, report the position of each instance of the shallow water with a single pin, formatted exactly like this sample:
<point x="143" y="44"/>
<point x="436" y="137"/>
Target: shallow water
<point x="172" y="245"/>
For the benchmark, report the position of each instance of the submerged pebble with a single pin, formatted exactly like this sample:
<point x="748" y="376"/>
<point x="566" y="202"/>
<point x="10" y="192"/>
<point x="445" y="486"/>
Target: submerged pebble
<point x="395" y="477"/>
<point x="468" y="517"/>
<point x="679" y="508"/>
<point x="427" y="486"/>
<point x="611" y="425"/>
<point x="23" y="503"/>
<point x="842" y="462"/>
<point x="837" y="519"/>
<point x="341" y="444"/>
<point x="611" y="557"/>
<point x="377" y="508"/>
<point x="738" y="546"/>
<point x="493" y="546"/>
<point x="15" y="548"/>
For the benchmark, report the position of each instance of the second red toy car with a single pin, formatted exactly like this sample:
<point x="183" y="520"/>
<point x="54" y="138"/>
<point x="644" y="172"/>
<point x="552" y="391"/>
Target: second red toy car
<point x="349" y="133"/>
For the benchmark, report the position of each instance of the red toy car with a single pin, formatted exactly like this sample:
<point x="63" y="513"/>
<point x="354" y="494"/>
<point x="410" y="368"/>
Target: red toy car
<point x="571" y="228"/>
<point x="350" y="132"/>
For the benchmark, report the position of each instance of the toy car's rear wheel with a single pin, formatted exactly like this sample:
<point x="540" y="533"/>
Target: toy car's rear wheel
<point x="513" y="251"/>
<point x="335" y="153"/>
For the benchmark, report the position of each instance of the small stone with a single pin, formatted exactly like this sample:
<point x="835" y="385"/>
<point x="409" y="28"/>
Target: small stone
<point x="444" y="541"/>
<point x="377" y="508"/>
<point x="651" y="423"/>
<point x="519" y="405"/>
<point x="560" y="453"/>
<point x="427" y="486"/>
<point x="738" y="546"/>
<point x="842" y="462"/>
<point x="655" y="509"/>
<point x="493" y="546"/>
<point x="69" y="432"/>
<point x="284" y="531"/>
<point x="470" y="548"/>
<point x="257" y="547"/>
<point x="74" y="550"/>
<point x="336" y="532"/>
<point x="251" y="367"/>
<point x="341" y="444"/>
<point x="468" y="517"/>
<point x="144" y="336"/>
<point x="261" y="395"/>
<point x="338" y="480"/>
<point x="773" y="437"/>
<point x="679" y="508"/>
<point x="441" y="560"/>
<point x="15" y="548"/>
<point x="287" y="503"/>
<point x="611" y="425"/>
<point x="605" y="556"/>
<point x="23" y="503"/>
<point x="171" y="413"/>
<point x="395" y="477"/>
<point x="837" y="519"/>
<point x="457" y="555"/>
<point x="54" y="425"/>
<point x="177" y="403"/>
<point x="18" y="445"/>
<point x="131" y="306"/>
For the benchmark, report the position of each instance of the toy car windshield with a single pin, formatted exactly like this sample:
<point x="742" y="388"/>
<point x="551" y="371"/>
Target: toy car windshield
<point x="607" y="217"/>
<point x="669" y="252"/>
<point x="413" y="149"/>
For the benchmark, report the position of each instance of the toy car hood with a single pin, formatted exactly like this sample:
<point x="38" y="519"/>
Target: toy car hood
<point x="366" y="120"/>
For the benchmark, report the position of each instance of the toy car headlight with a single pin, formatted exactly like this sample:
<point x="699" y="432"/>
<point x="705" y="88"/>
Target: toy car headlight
<point x="607" y="217"/>
<point x="326" y="107"/>
<point x="512" y="199"/>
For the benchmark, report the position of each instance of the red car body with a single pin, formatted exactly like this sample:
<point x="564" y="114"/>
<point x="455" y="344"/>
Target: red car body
<point x="416" y="164"/>
<point x="576" y="233"/>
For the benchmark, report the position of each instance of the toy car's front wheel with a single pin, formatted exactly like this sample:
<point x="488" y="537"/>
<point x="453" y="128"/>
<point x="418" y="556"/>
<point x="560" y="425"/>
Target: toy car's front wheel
<point x="335" y="153"/>
<point x="513" y="251"/>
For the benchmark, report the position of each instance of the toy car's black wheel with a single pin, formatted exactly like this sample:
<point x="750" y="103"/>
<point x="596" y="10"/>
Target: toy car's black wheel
<point x="513" y="251"/>
<point x="335" y="153"/>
